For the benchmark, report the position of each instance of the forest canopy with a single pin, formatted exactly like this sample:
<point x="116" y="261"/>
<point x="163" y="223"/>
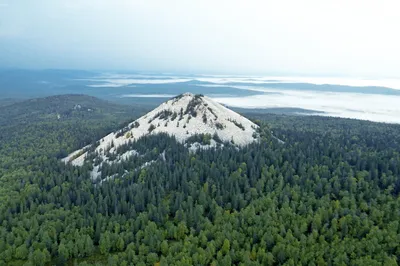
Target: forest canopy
<point x="328" y="195"/>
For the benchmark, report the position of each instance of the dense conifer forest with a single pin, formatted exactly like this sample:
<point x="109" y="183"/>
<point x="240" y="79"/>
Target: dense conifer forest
<point x="327" y="195"/>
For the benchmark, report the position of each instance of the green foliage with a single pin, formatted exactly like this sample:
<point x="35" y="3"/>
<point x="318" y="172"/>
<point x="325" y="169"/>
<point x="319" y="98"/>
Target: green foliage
<point x="239" y="125"/>
<point x="219" y="126"/>
<point x="328" y="196"/>
<point x="63" y="252"/>
<point x="105" y="244"/>
<point x="151" y="128"/>
<point x="193" y="105"/>
<point x="22" y="252"/>
<point x="204" y="139"/>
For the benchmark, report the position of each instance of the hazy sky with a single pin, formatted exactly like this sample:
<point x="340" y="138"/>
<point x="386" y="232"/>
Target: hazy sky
<point x="359" y="38"/>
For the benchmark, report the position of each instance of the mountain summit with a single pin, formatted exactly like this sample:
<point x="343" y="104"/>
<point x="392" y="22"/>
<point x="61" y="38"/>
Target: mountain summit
<point x="183" y="117"/>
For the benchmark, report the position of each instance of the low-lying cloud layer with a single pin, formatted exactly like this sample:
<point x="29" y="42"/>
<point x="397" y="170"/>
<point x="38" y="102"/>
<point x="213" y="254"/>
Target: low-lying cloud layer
<point x="380" y="108"/>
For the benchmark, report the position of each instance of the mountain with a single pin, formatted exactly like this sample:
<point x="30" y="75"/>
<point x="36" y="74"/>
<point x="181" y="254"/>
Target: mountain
<point x="324" y="197"/>
<point x="187" y="117"/>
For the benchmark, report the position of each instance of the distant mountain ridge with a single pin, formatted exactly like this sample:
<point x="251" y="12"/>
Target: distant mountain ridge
<point x="22" y="84"/>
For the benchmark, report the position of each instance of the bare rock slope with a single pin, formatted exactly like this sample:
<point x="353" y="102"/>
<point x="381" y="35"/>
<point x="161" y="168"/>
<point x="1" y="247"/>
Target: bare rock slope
<point x="182" y="117"/>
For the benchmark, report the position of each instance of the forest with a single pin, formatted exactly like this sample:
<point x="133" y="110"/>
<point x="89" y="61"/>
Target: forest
<point x="327" y="195"/>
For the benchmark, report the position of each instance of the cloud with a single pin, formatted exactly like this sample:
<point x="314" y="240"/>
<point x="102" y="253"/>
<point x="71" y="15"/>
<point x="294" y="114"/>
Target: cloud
<point x="379" y="108"/>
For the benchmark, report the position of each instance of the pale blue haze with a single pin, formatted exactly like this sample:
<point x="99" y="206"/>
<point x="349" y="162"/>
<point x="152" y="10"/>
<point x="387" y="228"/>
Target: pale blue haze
<point x="344" y="38"/>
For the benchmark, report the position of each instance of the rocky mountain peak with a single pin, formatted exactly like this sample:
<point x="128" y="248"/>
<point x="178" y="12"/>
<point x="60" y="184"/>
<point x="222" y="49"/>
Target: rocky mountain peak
<point x="183" y="117"/>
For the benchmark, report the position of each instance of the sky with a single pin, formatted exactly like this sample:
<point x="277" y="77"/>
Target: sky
<point x="309" y="37"/>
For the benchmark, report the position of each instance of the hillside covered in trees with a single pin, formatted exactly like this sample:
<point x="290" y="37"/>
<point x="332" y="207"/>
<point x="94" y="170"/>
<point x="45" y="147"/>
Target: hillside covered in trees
<point x="328" y="195"/>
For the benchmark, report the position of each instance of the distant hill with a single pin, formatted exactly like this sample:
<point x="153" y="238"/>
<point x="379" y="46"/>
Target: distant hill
<point x="61" y="107"/>
<point x="21" y="83"/>
<point x="8" y="101"/>
<point x="25" y="84"/>
<point x="74" y="119"/>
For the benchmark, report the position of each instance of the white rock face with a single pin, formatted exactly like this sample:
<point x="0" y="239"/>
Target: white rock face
<point x="77" y="157"/>
<point x="193" y="147"/>
<point x="182" y="117"/>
